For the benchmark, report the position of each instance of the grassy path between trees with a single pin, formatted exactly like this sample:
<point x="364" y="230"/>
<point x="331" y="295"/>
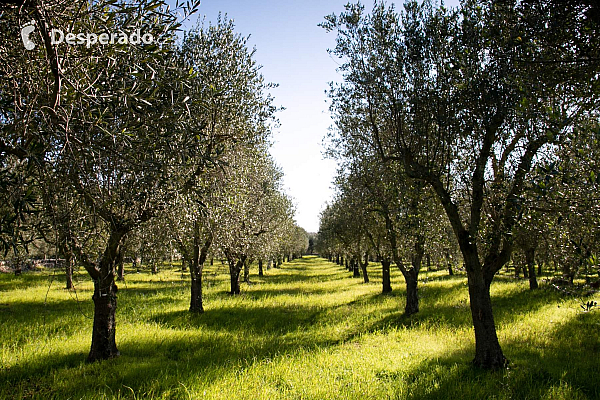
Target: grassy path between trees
<point x="304" y="331"/>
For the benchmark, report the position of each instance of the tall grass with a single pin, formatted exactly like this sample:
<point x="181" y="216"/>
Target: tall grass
<point x="305" y="331"/>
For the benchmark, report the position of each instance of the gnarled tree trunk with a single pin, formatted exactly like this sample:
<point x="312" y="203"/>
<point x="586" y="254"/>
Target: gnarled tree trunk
<point x="104" y="345"/>
<point x="530" y="261"/>
<point x="247" y="271"/>
<point x="387" y="283"/>
<point x="121" y="265"/>
<point x="235" y="268"/>
<point x="412" y="297"/>
<point x="105" y="299"/>
<point x="69" y="270"/>
<point x="199" y="255"/>
<point x="355" y="268"/>
<point x="363" y="267"/>
<point x="488" y="353"/>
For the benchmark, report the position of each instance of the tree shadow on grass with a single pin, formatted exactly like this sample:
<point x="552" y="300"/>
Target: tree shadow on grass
<point x="266" y="320"/>
<point x="567" y="367"/>
<point x="192" y="346"/>
<point x="508" y="307"/>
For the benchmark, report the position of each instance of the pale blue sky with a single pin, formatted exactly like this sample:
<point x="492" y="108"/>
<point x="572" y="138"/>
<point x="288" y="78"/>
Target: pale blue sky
<point x="293" y="52"/>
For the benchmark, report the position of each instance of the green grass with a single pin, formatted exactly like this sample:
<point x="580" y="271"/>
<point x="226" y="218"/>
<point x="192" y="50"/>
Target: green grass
<point x="305" y="331"/>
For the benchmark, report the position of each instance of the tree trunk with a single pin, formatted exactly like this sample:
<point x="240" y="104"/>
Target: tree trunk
<point x="247" y="272"/>
<point x="105" y="298"/>
<point x="412" y="277"/>
<point x="428" y="258"/>
<point x="235" y="268"/>
<point x="18" y="266"/>
<point x="197" y="268"/>
<point x="235" y="280"/>
<point x="355" y="268"/>
<point x="196" y="304"/>
<point x="387" y="283"/>
<point x="104" y="345"/>
<point x="363" y="266"/>
<point x="530" y="260"/>
<point x="69" y="270"/>
<point x="488" y="353"/>
<point x="120" y="266"/>
<point x="412" y="298"/>
<point x="448" y="262"/>
<point x="260" y="268"/>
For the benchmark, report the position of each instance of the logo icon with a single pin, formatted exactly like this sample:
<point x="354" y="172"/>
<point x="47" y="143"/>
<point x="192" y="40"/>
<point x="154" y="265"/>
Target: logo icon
<point x="26" y="30"/>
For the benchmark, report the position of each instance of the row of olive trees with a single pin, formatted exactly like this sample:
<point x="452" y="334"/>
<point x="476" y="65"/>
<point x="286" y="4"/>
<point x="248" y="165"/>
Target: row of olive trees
<point x="459" y="112"/>
<point x="100" y="142"/>
<point x="379" y="212"/>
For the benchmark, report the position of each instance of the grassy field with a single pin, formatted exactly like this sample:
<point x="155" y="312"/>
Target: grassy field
<point x="305" y="331"/>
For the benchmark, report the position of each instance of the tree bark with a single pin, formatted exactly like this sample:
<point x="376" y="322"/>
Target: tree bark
<point x="104" y="345"/>
<point x="105" y="298"/>
<point x="355" y="268"/>
<point x="363" y="266"/>
<point x="18" y="266"/>
<point x="120" y="266"/>
<point x="69" y="270"/>
<point x="235" y="268"/>
<point x="199" y="255"/>
<point x="412" y="277"/>
<point x="488" y="353"/>
<point x="448" y="262"/>
<point x="196" y="304"/>
<point x="530" y="260"/>
<point x="247" y="271"/>
<point x="412" y="297"/>
<point x="260" y="268"/>
<point x="387" y="283"/>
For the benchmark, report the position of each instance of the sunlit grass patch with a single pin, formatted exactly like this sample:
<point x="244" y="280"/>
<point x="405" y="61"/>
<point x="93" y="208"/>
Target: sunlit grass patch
<point x="307" y="330"/>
